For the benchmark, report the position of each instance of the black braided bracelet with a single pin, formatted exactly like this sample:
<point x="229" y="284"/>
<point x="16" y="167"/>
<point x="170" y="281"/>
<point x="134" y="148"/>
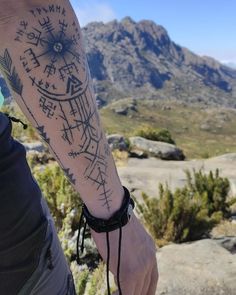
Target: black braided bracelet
<point x="119" y="219"/>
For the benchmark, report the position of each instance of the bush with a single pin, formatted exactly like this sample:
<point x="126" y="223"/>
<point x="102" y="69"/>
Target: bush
<point x="60" y="195"/>
<point x="18" y="132"/>
<point x="190" y="212"/>
<point x="155" y="134"/>
<point x="96" y="282"/>
<point x="81" y="281"/>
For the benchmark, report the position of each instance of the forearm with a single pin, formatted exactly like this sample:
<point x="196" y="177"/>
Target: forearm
<point x="43" y="59"/>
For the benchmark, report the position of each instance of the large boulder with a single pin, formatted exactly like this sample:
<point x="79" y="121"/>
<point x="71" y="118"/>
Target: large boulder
<point x="117" y="141"/>
<point x="145" y="175"/>
<point x="229" y="243"/>
<point x="198" y="268"/>
<point x="162" y="150"/>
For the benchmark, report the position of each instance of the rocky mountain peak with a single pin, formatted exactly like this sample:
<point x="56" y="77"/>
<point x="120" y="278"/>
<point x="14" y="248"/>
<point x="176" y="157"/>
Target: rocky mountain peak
<point x="128" y="21"/>
<point x="139" y="59"/>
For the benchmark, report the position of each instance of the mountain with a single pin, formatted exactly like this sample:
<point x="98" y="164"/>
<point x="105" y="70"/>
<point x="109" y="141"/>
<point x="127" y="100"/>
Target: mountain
<point x="139" y="60"/>
<point x="230" y="64"/>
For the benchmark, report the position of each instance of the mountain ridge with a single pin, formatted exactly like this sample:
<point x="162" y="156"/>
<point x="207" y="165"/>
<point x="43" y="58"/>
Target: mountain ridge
<point x="138" y="59"/>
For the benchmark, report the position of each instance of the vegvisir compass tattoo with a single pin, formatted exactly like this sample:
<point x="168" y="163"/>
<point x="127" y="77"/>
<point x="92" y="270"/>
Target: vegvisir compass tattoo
<point x="54" y="61"/>
<point x="54" y="48"/>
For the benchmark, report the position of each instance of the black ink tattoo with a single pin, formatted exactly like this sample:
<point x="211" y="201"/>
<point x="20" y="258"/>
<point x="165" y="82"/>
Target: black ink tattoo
<point x="10" y="72"/>
<point x="48" y="107"/>
<point x="53" y="52"/>
<point x="43" y="134"/>
<point x="69" y="175"/>
<point x="17" y="86"/>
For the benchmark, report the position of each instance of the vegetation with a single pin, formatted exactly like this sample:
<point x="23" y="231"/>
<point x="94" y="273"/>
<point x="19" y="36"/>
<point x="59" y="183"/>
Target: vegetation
<point x="81" y="282"/>
<point x="187" y="214"/>
<point x="60" y="195"/>
<point x="155" y="134"/>
<point x="97" y="280"/>
<point x="200" y="132"/>
<point x="18" y="132"/>
<point x="190" y="212"/>
<point x="91" y="282"/>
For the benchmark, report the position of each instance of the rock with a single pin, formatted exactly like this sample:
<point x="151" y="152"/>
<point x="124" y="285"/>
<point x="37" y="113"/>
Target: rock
<point x="36" y="146"/>
<point x="136" y="153"/>
<point x="230" y="157"/>
<point x="100" y="102"/>
<point x="117" y="141"/>
<point x="229" y="243"/>
<point x="205" y="127"/>
<point x="136" y="59"/>
<point x="166" y="108"/>
<point x="145" y="175"/>
<point x="125" y="107"/>
<point x="133" y="108"/>
<point x="197" y="268"/>
<point x="122" y="111"/>
<point x="162" y="150"/>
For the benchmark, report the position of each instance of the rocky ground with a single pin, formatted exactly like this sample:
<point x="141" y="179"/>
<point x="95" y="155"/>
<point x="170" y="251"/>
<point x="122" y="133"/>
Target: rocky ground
<point x="205" y="267"/>
<point x="199" y="268"/>
<point x="144" y="175"/>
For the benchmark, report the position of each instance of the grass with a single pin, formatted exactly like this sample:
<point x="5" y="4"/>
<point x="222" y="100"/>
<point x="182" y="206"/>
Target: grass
<point x="225" y="228"/>
<point x="183" y="122"/>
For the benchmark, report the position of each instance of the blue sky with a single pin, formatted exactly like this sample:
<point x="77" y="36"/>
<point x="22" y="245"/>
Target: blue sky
<point x="205" y="27"/>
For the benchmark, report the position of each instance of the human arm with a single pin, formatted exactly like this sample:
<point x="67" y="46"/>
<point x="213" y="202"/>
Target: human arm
<point x="43" y="59"/>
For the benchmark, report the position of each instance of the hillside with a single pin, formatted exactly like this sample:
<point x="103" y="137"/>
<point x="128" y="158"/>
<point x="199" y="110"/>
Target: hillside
<point x="199" y="131"/>
<point x="140" y="60"/>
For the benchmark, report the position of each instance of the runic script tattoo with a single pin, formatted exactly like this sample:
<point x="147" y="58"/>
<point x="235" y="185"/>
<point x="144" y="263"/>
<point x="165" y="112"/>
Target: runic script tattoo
<point x="17" y="86"/>
<point x="55" y="63"/>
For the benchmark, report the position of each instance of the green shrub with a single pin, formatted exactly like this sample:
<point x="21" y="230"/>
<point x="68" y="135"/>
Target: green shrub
<point x="213" y="189"/>
<point x="232" y="201"/>
<point x="60" y="195"/>
<point x="18" y="132"/>
<point x="97" y="280"/>
<point x="190" y="212"/>
<point x="155" y="134"/>
<point x="81" y="281"/>
<point x="35" y="159"/>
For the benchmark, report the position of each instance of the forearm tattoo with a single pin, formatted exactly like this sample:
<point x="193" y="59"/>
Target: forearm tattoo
<point x="54" y="61"/>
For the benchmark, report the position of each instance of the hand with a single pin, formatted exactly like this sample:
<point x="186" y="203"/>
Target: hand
<point x="138" y="268"/>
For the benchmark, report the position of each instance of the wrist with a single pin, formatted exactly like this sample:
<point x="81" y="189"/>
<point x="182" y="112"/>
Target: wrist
<point x="103" y="212"/>
<point x="119" y="219"/>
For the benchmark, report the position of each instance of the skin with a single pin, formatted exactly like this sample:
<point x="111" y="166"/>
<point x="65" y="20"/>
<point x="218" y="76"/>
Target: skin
<point x="43" y="59"/>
